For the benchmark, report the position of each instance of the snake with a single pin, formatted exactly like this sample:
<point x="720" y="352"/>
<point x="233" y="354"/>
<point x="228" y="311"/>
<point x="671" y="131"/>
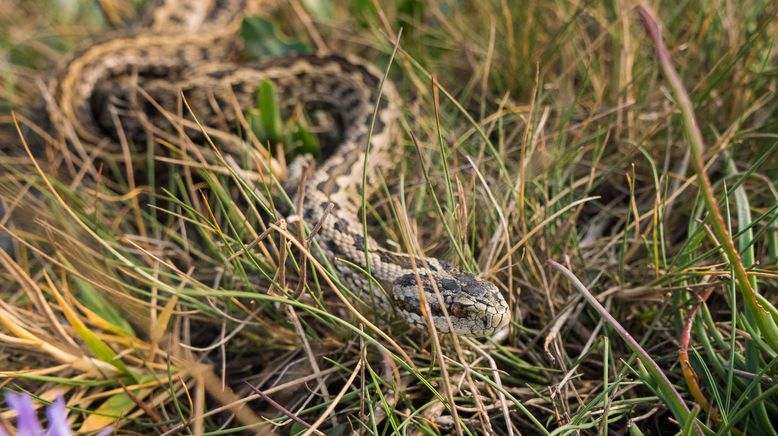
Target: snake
<point x="192" y="48"/>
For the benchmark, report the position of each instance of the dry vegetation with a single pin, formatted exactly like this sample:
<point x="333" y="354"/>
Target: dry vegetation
<point x="161" y="293"/>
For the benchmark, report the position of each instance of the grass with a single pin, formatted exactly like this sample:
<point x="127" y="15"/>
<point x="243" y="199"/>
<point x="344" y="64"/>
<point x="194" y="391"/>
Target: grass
<point x="628" y="216"/>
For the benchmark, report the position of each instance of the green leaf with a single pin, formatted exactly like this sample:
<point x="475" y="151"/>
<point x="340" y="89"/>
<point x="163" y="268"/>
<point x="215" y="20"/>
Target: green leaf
<point x="255" y="124"/>
<point x="95" y="301"/>
<point x="322" y="9"/>
<point x="269" y="110"/>
<point x="309" y="143"/>
<point x="263" y="39"/>
<point x="688" y="428"/>
<point x="112" y="409"/>
<point x="297" y="429"/>
<point x="100" y="349"/>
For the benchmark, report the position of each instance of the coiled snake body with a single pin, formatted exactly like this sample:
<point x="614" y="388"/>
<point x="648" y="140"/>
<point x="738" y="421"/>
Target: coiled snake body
<point x="188" y="46"/>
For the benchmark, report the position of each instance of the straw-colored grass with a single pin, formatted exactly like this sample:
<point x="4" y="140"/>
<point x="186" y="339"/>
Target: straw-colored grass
<point x="620" y="191"/>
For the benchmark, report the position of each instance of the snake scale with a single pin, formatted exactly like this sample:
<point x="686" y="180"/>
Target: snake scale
<point x="191" y="47"/>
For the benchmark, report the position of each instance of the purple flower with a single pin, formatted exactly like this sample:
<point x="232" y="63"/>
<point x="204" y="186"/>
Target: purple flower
<point x="58" y="418"/>
<point x="27" y="422"/>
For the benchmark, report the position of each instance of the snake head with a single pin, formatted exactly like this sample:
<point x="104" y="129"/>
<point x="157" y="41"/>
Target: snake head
<point x="475" y="306"/>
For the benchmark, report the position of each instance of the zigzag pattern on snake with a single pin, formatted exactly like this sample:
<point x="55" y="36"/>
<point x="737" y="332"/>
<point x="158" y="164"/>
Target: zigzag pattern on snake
<point x="191" y="46"/>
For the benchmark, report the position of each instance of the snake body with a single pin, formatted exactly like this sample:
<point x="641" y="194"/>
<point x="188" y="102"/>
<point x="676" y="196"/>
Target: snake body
<point x="190" y="46"/>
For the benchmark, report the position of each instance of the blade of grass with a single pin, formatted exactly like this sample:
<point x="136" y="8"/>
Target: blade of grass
<point x="765" y="322"/>
<point x="664" y="387"/>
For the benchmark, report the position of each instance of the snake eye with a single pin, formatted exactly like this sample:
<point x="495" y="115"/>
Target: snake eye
<point x="449" y="284"/>
<point x="456" y="310"/>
